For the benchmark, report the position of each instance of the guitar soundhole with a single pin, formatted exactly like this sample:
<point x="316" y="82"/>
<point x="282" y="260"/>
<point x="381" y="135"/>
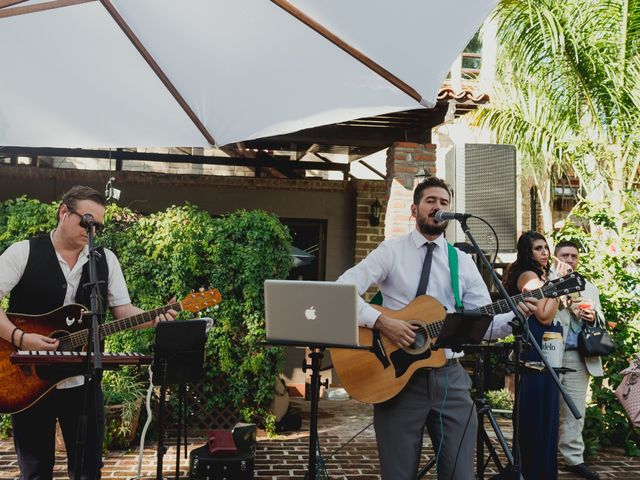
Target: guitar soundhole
<point x="421" y="342"/>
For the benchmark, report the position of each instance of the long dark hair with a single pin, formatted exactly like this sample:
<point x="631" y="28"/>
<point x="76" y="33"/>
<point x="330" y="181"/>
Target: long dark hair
<point x="524" y="261"/>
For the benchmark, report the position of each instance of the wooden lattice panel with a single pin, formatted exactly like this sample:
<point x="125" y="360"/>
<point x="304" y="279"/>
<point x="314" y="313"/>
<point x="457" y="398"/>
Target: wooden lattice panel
<point x="201" y="418"/>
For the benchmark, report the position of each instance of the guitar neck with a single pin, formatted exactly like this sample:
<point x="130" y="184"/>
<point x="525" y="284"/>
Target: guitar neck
<point x="81" y="338"/>
<point x="501" y="306"/>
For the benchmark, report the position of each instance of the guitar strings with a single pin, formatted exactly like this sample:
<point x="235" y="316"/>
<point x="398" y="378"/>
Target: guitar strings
<point x="80" y="338"/>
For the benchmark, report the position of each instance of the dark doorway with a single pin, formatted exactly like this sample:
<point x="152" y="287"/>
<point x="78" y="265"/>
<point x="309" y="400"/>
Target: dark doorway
<point x="309" y="238"/>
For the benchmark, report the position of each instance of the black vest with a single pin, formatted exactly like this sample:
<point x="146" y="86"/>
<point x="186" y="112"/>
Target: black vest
<point x="42" y="287"/>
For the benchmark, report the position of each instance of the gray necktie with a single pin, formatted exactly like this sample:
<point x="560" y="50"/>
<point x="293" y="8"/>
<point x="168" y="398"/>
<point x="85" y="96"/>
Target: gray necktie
<point x="426" y="269"/>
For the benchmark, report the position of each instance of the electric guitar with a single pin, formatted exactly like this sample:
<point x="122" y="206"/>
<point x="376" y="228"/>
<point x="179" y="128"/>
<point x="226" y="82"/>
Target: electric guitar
<point x="378" y="374"/>
<point x="23" y="385"/>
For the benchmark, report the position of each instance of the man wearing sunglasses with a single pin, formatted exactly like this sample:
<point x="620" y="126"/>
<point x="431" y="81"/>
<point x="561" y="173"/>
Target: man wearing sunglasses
<point x="42" y="274"/>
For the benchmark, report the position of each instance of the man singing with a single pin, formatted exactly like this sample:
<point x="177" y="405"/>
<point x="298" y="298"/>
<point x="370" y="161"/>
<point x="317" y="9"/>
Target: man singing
<point x="42" y="274"/>
<point x="438" y="398"/>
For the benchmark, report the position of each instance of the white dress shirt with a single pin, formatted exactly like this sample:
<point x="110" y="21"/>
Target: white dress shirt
<point x="395" y="266"/>
<point x="14" y="261"/>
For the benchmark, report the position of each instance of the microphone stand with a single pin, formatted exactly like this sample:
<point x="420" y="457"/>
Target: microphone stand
<point x="522" y="334"/>
<point x="93" y="362"/>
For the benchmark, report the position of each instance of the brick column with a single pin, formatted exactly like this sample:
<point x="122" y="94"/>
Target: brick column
<point x="404" y="161"/>
<point x="368" y="237"/>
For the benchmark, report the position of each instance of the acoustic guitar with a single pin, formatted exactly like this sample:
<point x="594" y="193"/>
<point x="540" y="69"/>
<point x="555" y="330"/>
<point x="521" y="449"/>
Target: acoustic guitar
<point x="378" y="374"/>
<point x="23" y="385"/>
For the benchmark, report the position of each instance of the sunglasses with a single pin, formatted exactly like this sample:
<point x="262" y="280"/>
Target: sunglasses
<point x="96" y="225"/>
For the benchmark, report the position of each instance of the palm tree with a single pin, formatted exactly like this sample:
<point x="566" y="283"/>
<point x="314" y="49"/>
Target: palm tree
<point x="569" y="94"/>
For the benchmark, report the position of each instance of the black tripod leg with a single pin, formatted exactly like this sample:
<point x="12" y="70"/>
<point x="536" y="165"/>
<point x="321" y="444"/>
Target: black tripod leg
<point x="424" y="470"/>
<point x="492" y="453"/>
<point x="316" y="359"/>
<point x="179" y="431"/>
<point x="500" y="437"/>
<point x="508" y="472"/>
<point x="161" y="448"/>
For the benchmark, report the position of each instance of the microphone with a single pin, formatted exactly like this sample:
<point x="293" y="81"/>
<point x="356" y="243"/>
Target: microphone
<point x="443" y="216"/>
<point x="87" y="220"/>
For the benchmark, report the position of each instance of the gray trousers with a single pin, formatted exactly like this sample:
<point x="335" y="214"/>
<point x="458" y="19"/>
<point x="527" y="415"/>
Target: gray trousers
<point x="570" y="443"/>
<point x="438" y="399"/>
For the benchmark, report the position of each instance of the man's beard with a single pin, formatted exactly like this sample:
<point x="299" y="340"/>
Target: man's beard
<point x="427" y="229"/>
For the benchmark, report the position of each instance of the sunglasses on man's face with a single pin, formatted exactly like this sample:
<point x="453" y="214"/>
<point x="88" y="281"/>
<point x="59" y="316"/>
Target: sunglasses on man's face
<point x="96" y="225"/>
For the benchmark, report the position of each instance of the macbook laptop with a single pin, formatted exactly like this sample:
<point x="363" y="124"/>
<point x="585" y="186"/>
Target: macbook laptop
<point x="306" y="313"/>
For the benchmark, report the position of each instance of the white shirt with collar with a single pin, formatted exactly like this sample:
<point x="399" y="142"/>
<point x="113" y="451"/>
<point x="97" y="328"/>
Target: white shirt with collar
<point x="14" y="261"/>
<point x="395" y="266"/>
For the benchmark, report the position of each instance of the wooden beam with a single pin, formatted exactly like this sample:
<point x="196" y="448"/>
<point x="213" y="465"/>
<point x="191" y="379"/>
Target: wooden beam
<point x="349" y="134"/>
<point x="365" y="164"/>
<point x="283" y="166"/>
<point x="10" y="3"/>
<point x="6" y="12"/>
<point x="325" y="159"/>
<point x="123" y="155"/>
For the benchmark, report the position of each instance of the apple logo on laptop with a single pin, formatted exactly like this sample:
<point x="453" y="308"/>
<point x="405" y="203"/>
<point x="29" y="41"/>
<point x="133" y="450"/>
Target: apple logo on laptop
<point x="310" y="313"/>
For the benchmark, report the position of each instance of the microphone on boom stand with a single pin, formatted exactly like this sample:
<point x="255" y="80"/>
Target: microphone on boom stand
<point x="443" y="216"/>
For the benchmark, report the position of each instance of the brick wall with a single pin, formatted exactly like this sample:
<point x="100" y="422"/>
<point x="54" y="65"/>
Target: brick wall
<point x="368" y="237"/>
<point x="63" y="178"/>
<point x="404" y="161"/>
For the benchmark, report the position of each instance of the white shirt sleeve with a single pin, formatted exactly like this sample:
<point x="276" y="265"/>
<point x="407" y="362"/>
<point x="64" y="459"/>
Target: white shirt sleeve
<point x="370" y="271"/>
<point x="117" y="287"/>
<point x="499" y="327"/>
<point x="477" y="295"/>
<point x="12" y="264"/>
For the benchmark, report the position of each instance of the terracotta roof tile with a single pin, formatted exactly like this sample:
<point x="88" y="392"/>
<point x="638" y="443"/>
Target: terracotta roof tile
<point x="463" y="96"/>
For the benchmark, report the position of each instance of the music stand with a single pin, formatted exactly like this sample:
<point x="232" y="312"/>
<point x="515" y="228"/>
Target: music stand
<point x="178" y="358"/>
<point x="462" y="328"/>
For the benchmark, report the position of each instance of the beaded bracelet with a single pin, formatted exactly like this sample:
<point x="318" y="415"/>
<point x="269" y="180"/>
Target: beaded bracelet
<point x="12" y="334"/>
<point x="21" y="337"/>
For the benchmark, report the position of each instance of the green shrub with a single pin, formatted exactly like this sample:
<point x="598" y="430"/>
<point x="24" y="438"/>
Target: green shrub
<point x="500" y="399"/>
<point x="5" y="426"/>
<point x="23" y="218"/>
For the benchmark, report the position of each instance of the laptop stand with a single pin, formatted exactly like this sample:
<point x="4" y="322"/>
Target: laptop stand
<point x="317" y="354"/>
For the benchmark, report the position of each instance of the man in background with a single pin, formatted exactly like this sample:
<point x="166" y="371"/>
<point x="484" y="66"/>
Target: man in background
<point x="584" y="306"/>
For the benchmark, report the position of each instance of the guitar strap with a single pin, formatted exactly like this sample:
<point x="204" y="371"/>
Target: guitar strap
<point x="455" y="281"/>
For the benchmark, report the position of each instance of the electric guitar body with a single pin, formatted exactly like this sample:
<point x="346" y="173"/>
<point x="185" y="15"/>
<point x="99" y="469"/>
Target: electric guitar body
<point x="23" y="385"/>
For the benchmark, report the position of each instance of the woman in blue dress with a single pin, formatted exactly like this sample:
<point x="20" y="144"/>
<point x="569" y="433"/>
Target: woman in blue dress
<point x="538" y="395"/>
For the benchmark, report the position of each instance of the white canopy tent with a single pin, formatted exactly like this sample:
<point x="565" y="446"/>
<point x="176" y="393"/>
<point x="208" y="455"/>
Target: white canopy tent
<point x="126" y="73"/>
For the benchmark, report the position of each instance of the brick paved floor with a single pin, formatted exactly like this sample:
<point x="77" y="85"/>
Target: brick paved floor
<point x="285" y="457"/>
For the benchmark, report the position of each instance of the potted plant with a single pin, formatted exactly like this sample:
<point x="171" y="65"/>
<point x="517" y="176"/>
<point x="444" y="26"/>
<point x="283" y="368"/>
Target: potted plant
<point x="123" y="398"/>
